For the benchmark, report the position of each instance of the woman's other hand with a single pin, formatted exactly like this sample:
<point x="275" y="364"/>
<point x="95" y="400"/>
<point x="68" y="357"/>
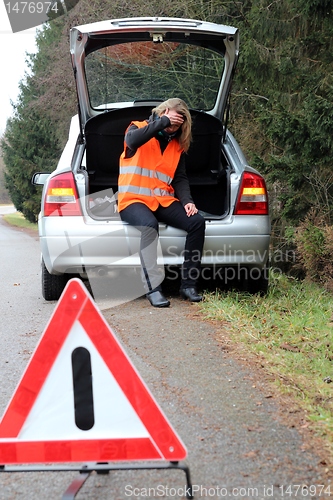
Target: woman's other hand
<point x="190" y="209"/>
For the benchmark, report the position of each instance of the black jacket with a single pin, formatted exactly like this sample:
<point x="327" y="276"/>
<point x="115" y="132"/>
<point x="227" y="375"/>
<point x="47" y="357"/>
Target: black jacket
<point x="136" y="137"/>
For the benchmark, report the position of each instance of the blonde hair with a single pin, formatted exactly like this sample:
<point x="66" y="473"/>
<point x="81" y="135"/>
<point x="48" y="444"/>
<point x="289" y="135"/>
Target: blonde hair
<point x="180" y="106"/>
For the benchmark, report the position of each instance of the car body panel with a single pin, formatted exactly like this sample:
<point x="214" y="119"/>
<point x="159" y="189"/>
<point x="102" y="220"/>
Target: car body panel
<point x="70" y="243"/>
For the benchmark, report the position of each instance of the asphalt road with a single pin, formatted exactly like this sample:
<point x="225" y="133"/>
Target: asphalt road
<point x="238" y="444"/>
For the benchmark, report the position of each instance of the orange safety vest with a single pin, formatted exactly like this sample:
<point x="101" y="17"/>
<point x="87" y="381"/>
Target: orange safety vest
<point x="146" y="177"/>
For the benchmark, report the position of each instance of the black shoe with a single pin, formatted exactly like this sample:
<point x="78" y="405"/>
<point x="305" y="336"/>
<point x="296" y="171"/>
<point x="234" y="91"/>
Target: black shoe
<point x="157" y="299"/>
<point x="191" y="294"/>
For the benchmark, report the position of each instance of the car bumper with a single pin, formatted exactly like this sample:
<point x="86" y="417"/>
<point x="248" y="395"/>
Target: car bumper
<point x="70" y="244"/>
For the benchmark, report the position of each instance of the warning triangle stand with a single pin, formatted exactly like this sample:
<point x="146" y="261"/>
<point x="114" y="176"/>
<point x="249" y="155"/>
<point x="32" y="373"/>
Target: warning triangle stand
<point x="81" y="399"/>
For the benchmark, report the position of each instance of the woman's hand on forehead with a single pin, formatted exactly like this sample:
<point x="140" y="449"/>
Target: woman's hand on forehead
<point x="174" y="117"/>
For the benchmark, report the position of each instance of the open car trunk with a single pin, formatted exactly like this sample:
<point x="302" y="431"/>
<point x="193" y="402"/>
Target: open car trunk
<point x="206" y="165"/>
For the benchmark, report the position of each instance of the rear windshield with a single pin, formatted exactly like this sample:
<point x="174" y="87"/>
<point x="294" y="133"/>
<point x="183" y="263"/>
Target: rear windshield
<point x="151" y="71"/>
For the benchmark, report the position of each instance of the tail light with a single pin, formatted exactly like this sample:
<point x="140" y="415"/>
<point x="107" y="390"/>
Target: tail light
<point x="61" y="196"/>
<point x="252" y="197"/>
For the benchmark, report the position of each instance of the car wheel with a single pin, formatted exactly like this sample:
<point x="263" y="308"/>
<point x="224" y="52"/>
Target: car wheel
<point x="52" y="284"/>
<point x="257" y="281"/>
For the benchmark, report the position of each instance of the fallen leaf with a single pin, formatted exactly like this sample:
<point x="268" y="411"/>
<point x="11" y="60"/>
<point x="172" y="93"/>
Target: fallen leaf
<point x="289" y="347"/>
<point x="251" y="454"/>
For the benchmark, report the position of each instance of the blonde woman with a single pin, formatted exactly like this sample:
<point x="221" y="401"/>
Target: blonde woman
<point x="153" y="188"/>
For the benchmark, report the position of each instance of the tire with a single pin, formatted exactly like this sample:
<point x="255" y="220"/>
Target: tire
<point x="258" y="282"/>
<point x="52" y="284"/>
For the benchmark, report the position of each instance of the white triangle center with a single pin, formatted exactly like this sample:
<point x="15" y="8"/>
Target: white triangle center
<point x="52" y="416"/>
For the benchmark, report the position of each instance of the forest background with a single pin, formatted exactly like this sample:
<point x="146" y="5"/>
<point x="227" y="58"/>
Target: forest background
<point x="281" y="111"/>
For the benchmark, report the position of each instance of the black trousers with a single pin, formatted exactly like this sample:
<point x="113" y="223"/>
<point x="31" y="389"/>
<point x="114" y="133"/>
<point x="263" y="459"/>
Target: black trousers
<point x="146" y="221"/>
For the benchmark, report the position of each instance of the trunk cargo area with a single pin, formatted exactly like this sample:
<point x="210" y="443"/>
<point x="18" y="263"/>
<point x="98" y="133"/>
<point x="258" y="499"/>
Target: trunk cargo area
<point x="206" y="166"/>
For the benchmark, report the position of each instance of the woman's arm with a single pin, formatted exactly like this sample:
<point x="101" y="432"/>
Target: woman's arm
<point x="136" y="137"/>
<point x="181" y="184"/>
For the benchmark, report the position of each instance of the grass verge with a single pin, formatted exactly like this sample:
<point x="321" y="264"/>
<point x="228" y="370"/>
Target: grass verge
<point x="290" y="329"/>
<point x="18" y="220"/>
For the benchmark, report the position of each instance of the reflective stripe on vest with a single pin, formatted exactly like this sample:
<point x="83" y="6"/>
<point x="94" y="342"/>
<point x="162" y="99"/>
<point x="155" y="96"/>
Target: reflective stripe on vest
<point x="145" y="172"/>
<point x="144" y="191"/>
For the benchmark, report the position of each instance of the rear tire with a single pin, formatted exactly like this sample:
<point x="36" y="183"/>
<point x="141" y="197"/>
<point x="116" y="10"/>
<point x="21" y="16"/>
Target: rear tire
<point x="258" y="282"/>
<point x="52" y="284"/>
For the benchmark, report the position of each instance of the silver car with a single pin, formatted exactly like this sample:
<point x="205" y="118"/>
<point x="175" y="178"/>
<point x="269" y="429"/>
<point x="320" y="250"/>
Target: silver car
<point x="123" y="68"/>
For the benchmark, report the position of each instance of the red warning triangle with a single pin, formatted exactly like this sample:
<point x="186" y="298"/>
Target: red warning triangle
<point x="81" y="399"/>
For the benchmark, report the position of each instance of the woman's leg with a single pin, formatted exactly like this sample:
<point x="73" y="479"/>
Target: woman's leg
<point x="141" y="217"/>
<point x="175" y="216"/>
